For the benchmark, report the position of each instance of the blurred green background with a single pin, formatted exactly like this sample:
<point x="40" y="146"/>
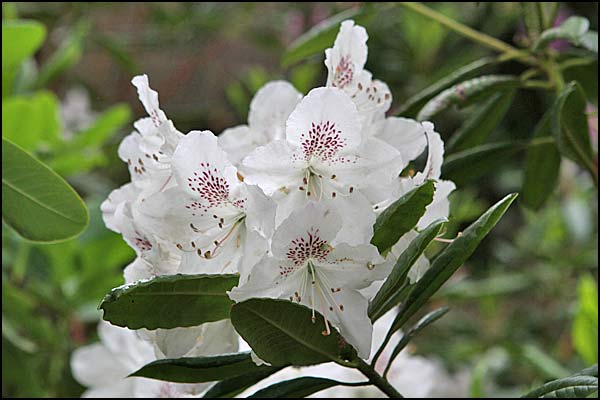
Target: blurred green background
<point x="524" y="308"/>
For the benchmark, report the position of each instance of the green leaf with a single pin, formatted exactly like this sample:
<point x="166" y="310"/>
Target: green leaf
<point x="533" y="19"/>
<point x="571" y="130"/>
<point x="585" y="325"/>
<point x="387" y="296"/>
<point x="411" y="107"/>
<point x="33" y="121"/>
<point x="450" y="259"/>
<point x="105" y="126"/>
<point x="576" y="386"/>
<point x="281" y="333"/>
<point x="321" y="36"/>
<point x="401" y="216"/>
<point x="231" y="387"/>
<point x="481" y="123"/>
<point x="427" y="320"/>
<point x="36" y="202"/>
<point x="68" y="54"/>
<point x="573" y="29"/>
<point x="170" y="301"/>
<point x="543" y="166"/>
<point x="200" y="369"/>
<point x="467" y="165"/>
<point x="467" y="92"/>
<point x="295" y="388"/>
<point x="20" y="40"/>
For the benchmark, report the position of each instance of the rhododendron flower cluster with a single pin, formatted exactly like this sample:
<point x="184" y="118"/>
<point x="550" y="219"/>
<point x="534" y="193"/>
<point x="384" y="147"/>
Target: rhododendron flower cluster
<point x="287" y="201"/>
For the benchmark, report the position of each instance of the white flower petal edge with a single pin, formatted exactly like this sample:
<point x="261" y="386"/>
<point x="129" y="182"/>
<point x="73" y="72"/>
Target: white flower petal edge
<point x="269" y="110"/>
<point x="306" y="268"/>
<point x="346" y="60"/>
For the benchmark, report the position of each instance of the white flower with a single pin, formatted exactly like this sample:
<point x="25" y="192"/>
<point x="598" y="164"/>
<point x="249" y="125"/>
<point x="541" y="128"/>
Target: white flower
<point x="439" y="208"/>
<point x="308" y="266"/>
<point x="103" y="367"/>
<point x="154" y="256"/>
<point x="325" y="158"/>
<point x="147" y="151"/>
<point x="218" y="223"/>
<point x="269" y="110"/>
<point x="345" y="66"/>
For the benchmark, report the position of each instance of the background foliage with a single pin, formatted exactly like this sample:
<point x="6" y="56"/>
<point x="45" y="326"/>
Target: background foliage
<point x="522" y="311"/>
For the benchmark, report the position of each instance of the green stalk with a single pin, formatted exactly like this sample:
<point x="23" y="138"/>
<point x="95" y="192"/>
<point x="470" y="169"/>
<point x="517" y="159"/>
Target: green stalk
<point x="377" y="380"/>
<point x="470" y="33"/>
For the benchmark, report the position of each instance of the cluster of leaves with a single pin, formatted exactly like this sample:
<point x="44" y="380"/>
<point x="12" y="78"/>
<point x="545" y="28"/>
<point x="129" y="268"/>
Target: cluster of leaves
<point x="48" y="290"/>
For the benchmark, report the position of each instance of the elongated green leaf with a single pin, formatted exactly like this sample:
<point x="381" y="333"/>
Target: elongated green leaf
<point x="281" y="333"/>
<point x="571" y="128"/>
<point x="585" y="325"/>
<point x="68" y="54"/>
<point x="200" y="369"/>
<point x="386" y="297"/>
<point x="572" y="30"/>
<point x="37" y="202"/>
<point x="576" y="386"/>
<point x="321" y="36"/>
<point x="467" y="165"/>
<point x="401" y="216"/>
<point x="103" y="128"/>
<point x="411" y="107"/>
<point x="295" y="388"/>
<point x="450" y="259"/>
<point x="467" y="92"/>
<point x="32" y="122"/>
<point x="543" y="166"/>
<point x="20" y="40"/>
<point x="427" y="320"/>
<point x="533" y="18"/>
<point x="231" y="387"/>
<point x="478" y="127"/>
<point x="170" y="301"/>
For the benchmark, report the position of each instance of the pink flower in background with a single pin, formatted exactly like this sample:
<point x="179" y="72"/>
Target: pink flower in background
<point x="592" y="112"/>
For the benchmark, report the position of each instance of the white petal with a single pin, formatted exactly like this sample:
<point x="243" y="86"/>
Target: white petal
<point x="125" y="345"/>
<point x="271" y="107"/>
<point x="122" y="388"/>
<point x="312" y="223"/>
<point x="112" y="208"/>
<point x="439" y="208"/>
<point x="354" y="267"/>
<point x="372" y="97"/>
<point x="94" y="365"/>
<point x="375" y="162"/>
<point x="260" y="211"/>
<point x="147" y="170"/>
<point x="325" y="124"/>
<point x="238" y="142"/>
<point x="149" y="99"/>
<point x="405" y="135"/>
<point x="217" y="338"/>
<point x="348" y="56"/>
<point x="435" y="156"/>
<point x="272" y="167"/>
<point x="353" y="322"/>
<point x="262" y="282"/>
<point x="176" y="342"/>
<point x="358" y="228"/>
<point x="202" y="169"/>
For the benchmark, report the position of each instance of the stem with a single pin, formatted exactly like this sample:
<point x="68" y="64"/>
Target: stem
<point x="377" y="380"/>
<point x="470" y="33"/>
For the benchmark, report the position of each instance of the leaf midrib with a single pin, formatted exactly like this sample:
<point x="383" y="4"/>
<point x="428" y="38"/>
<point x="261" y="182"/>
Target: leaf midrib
<point x="39" y="203"/>
<point x="299" y="340"/>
